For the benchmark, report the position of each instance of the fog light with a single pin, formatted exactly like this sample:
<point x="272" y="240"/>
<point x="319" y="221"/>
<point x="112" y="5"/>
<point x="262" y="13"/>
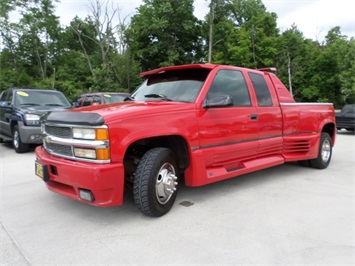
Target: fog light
<point x="86" y="195"/>
<point x="35" y="137"/>
<point x="85" y="153"/>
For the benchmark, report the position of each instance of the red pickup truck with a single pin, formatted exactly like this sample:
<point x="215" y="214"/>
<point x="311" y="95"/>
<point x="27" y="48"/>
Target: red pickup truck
<point x="196" y="124"/>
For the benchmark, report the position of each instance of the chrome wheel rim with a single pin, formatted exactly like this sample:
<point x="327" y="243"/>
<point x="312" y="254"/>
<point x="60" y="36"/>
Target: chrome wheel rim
<point x="325" y="153"/>
<point x="16" y="139"/>
<point x="166" y="183"/>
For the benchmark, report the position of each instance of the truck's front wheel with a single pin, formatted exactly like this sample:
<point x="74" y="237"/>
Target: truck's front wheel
<point x="19" y="146"/>
<point x="155" y="183"/>
<point x="324" y="152"/>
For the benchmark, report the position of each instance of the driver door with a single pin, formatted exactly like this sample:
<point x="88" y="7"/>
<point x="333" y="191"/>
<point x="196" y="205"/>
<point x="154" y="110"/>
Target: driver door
<point x="229" y="134"/>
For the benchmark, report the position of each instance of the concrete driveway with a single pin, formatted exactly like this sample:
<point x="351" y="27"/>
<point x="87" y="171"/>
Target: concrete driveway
<point x="283" y="215"/>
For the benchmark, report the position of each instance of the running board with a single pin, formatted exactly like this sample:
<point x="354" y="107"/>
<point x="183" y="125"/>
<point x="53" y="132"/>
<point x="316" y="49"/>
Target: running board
<point x="221" y="172"/>
<point x="5" y="138"/>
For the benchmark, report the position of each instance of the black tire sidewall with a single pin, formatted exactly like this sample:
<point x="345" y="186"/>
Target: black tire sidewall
<point x="318" y="162"/>
<point x="21" y="146"/>
<point x="145" y="180"/>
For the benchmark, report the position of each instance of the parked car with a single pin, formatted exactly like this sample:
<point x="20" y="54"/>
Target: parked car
<point x="188" y="125"/>
<point x="97" y="98"/>
<point x="20" y="112"/>
<point x="346" y="118"/>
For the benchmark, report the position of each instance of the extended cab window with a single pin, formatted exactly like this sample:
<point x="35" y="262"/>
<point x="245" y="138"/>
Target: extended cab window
<point x="179" y="85"/>
<point x="232" y="83"/>
<point x="261" y="89"/>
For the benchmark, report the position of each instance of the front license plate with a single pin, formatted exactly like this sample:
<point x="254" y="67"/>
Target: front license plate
<point x="41" y="171"/>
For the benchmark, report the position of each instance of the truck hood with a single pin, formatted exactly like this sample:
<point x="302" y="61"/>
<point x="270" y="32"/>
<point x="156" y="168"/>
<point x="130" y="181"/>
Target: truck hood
<point x="42" y="109"/>
<point x="126" y="110"/>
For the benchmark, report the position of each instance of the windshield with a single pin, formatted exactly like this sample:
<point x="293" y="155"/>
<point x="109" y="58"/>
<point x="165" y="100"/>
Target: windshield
<point x="40" y="98"/>
<point x="350" y="108"/>
<point x="114" y="98"/>
<point x="178" y="85"/>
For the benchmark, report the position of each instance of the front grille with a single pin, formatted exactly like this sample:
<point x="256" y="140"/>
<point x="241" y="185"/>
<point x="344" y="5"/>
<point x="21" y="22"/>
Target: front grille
<point x="345" y="120"/>
<point x="58" y="141"/>
<point x="61" y="132"/>
<point x="59" y="149"/>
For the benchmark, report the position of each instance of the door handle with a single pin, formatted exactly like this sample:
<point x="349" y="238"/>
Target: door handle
<point x="253" y="116"/>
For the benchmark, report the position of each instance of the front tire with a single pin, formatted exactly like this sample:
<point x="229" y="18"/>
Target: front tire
<point x="324" y="152"/>
<point x="155" y="183"/>
<point x="19" y="146"/>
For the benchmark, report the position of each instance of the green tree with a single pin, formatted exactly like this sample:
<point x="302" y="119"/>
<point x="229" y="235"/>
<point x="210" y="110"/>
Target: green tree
<point x="244" y="33"/>
<point x="290" y="59"/>
<point x="40" y="34"/>
<point x="165" y="32"/>
<point x="347" y="77"/>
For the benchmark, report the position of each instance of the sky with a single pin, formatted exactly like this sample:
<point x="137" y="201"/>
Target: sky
<point x="314" y="18"/>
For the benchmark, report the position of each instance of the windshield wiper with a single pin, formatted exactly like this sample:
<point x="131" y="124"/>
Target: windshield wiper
<point x="128" y="98"/>
<point x="159" y="96"/>
<point x="53" y="104"/>
<point x="31" y="104"/>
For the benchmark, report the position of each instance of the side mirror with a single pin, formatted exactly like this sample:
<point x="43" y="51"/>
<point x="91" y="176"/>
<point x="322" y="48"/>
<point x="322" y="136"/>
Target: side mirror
<point x="76" y="104"/>
<point x="4" y="104"/>
<point x="220" y="100"/>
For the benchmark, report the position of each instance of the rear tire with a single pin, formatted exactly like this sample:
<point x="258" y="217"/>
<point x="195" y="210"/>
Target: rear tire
<point x="155" y="182"/>
<point x="324" y="152"/>
<point x="19" y="146"/>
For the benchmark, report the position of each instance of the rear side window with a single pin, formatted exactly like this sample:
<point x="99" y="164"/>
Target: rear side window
<point x="261" y="89"/>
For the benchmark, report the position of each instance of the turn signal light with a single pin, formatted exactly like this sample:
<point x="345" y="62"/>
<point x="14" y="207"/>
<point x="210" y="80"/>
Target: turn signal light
<point x="101" y="134"/>
<point x="103" y="154"/>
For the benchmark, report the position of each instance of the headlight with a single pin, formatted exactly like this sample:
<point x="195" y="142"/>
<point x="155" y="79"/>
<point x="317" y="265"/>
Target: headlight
<point x="32" y="120"/>
<point x="90" y="133"/>
<point x="84" y="133"/>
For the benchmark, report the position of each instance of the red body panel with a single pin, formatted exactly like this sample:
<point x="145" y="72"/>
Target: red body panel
<point x="222" y="142"/>
<point x="106" y="181"/>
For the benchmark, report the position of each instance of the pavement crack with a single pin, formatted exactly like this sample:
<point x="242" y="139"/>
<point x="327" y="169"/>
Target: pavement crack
<point x="10" y="246"/>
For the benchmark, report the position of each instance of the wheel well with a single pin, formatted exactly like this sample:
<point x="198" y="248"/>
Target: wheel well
<point x="330" y="129"/>
<point x="12" y="125"/>
<point x="137" y="149"/>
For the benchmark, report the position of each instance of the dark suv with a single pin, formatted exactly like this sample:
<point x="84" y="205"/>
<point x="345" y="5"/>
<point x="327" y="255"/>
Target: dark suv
<point x="346" y="118"/>
<point x="20" y="112"/>
<point x="96" y="98"/>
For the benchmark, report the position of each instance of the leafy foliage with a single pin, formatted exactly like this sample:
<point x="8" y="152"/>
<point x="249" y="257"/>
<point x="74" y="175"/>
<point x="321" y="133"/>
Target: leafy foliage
<point x="165" y="33"/>
<point x="98" y="53"/>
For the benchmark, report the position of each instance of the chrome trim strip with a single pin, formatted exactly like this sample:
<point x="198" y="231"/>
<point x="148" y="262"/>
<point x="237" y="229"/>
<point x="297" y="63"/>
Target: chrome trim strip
<point x="78" y="143"/>
<point x="75" y="158"/>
